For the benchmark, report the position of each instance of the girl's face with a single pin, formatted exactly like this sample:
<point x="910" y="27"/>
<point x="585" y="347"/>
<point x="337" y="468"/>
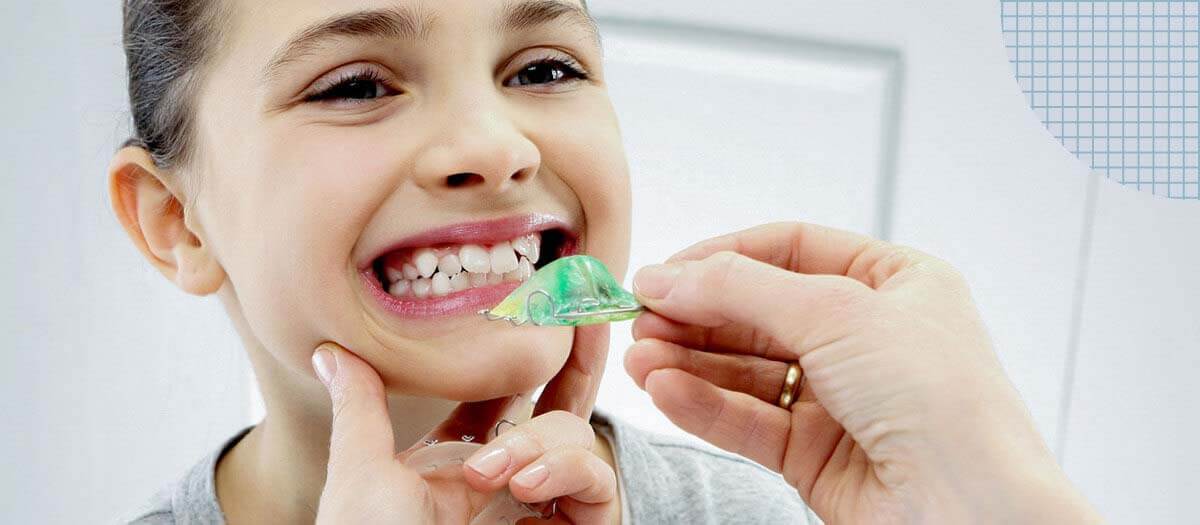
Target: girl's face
<point x="341" y="142"/>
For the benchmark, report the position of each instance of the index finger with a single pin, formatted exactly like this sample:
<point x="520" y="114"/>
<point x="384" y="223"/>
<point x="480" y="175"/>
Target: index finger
<point x="796" y="246"/>
<point x="574" y="388"/>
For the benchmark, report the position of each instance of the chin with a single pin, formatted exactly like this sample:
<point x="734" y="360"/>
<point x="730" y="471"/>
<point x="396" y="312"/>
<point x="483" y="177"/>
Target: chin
<point x="507" y="361"/>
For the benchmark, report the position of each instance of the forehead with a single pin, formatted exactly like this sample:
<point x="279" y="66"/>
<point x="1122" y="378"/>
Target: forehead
<point x="282" y="20"/>
<point x="284" y="30"/>
<point x="284" y="12"/>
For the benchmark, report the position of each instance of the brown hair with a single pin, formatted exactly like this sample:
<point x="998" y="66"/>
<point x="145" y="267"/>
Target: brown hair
<point x="166" y="44"/>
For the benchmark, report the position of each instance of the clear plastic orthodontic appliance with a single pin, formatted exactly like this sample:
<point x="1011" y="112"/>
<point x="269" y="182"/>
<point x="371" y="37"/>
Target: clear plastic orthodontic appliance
<point x="445" y="459"/>
<point x="503" y="509"/>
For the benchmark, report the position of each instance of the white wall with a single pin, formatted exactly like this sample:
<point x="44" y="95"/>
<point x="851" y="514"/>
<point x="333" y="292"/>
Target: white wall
<point x="1134" y="399"/>
<point x="114" y="382"/>
<point x="725" y="131"/>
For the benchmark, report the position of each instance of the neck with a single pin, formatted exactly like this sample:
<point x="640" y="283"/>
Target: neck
<point x="276" y="472"/>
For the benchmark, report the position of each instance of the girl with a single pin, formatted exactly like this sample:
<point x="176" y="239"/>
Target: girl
<point x="360" y="177"/>
<point x="373" y="172"/>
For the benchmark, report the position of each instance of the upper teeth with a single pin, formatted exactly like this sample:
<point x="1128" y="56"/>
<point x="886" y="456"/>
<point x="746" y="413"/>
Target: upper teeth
<point x="442" y="271"/>
<point x="504" y="259"/>
<point x="426" y="261"/>
<point x="530" y="246"/>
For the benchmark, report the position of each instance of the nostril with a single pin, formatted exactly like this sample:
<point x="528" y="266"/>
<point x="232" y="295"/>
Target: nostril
<point x="459" y="180"/>
<point x="522" y="175"/>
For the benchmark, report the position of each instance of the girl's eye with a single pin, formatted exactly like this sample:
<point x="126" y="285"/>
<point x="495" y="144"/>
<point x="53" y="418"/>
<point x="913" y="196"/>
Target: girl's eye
<point x="547" y="71"/>
<point x="358" y="87"/>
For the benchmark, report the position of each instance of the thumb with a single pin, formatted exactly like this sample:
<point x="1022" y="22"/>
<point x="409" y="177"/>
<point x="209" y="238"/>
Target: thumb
<point x="361" y="429"/>
<point x="729" y="288"/>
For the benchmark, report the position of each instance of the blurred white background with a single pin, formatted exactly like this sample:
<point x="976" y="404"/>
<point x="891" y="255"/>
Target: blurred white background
<point x="905" y="123"/>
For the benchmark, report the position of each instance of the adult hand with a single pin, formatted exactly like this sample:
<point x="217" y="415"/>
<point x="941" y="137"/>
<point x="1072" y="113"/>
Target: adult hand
<point x="547" y="458"/>
<point x="906" y="414"/>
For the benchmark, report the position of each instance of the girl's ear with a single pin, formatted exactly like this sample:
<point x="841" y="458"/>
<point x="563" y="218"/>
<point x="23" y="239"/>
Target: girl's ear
<point x="155" y="220"/>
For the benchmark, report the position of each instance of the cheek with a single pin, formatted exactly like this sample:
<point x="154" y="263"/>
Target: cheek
<point x="289" y="219"/>
<point x="591" y="162"/>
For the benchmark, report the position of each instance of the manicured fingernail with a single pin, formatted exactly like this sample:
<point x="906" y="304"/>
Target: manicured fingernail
<point x="532" y="477"/>
<point x="656" y="280"/>
<point x="491" y="464"/>
<point x="324" y="364"/>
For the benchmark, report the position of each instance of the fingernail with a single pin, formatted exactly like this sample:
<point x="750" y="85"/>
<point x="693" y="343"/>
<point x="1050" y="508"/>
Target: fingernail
<point x="532" y="477"/>
<point x="325" y="365"/>
<point x="656" y="280"/>
<point x="491" y="464"/>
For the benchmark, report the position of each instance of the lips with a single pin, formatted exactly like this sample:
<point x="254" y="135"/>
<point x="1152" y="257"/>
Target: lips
<point x="440" y="272"/>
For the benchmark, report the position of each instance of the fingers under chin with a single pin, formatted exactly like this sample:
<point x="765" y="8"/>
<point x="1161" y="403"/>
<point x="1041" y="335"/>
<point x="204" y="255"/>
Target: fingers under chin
<point x="579" y="512"/>
<point x="361" y="429"/>
<point x="569" y="472"/>
<point x="494" y="465"/>
<point x="574" y="388"/>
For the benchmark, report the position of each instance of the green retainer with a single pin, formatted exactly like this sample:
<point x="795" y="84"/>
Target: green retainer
<point x="571" y="291"/>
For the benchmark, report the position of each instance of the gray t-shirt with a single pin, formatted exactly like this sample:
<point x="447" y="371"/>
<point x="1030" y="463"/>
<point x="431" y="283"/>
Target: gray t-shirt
<point x="662" y="480"/>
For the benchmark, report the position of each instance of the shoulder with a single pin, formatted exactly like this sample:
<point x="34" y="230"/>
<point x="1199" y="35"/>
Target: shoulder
<point x="190" y="500"/>
<point x="156" y="511"/>
<point x="672" y="480"/>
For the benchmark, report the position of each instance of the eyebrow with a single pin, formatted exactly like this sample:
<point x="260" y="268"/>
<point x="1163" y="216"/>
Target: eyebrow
<point x="396" y="22"/>
<point x="404" y="23"/>
<point x="526" y="15"/>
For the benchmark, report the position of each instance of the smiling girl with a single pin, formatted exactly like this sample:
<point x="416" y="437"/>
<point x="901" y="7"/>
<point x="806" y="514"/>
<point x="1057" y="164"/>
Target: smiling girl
<point x="372" y="173"/>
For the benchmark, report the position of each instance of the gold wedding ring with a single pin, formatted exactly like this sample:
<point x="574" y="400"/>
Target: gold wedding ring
<point x="793" y="381"/>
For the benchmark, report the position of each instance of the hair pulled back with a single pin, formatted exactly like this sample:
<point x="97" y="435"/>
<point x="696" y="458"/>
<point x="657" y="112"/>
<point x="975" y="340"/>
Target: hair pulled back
<point x="166" y="45"/>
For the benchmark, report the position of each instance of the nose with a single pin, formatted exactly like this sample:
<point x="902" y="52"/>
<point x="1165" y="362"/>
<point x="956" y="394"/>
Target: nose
<point x="478" y="148"/>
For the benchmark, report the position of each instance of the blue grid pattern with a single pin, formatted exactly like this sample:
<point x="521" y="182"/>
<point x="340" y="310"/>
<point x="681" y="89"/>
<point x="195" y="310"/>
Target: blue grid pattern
<point x="1116" y="82"/>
